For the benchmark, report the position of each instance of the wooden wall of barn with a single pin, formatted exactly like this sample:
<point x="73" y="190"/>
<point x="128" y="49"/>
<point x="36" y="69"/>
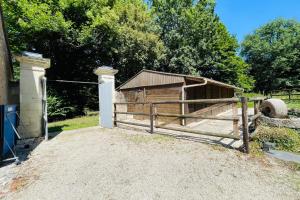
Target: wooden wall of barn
<point x="208" y="91"/>
<point x="173" y="92"/>
<point x="154" y="93"/>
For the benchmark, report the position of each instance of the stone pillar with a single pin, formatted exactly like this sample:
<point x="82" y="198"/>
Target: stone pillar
<point x="32" y="70"/>
<point x="106" y="79"/>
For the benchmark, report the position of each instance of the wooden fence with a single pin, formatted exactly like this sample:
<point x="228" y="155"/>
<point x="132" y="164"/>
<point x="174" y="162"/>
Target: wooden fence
<point x="154" y="115"/>
<point x="287" y="94"/>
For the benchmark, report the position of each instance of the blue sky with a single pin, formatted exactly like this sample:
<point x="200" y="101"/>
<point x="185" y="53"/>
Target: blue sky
<point x="242" y="17"/>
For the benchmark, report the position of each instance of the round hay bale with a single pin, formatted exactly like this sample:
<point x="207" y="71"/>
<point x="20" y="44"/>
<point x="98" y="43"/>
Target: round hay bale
<point x="275" y="108"/>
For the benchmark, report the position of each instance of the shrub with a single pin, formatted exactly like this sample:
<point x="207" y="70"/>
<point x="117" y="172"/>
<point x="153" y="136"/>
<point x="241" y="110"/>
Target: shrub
<point x="57" y="108"/>
<point x="284" y="138"/>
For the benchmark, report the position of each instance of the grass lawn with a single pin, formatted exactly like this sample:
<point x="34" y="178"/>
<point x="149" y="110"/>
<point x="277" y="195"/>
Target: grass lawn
<point x="250" y="95"/>
<point x="79" y="122"/>
<point x="291" y="104"/>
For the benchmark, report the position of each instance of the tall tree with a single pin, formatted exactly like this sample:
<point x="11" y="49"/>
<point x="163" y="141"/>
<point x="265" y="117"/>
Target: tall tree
<point x="198" y="43"/>
<point x="273" y="52"/>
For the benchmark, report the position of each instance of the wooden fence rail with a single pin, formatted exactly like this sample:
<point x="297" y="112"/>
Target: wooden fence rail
<point x="153" y="117"/>
<point x="286" y="92"/>
<point x="197" y="116"/>
<point x="199" y="101"/>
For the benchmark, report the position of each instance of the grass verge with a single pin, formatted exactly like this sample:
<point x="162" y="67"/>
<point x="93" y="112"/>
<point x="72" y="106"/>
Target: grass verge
<point x="293" y="104"/>
<point x="250" y="95"/>
<point x="285" y="139"/>
<point x="70" y="124"/>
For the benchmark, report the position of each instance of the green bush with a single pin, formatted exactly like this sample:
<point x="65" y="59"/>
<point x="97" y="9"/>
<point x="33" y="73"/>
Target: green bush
<point x="57" y="108"/>
<point x="284" y="138"/>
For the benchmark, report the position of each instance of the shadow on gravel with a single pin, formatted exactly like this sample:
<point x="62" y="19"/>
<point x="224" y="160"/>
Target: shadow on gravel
<point x="23" y="148"/>
<point x="180" y="136"/>
<point x="198" y="139"/>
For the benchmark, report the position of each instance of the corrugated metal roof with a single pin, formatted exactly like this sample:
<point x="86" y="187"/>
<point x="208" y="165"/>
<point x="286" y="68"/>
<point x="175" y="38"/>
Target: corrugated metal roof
<point x="152" y="78"/>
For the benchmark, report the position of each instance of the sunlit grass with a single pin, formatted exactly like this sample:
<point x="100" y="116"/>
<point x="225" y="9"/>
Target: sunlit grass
<point x="250" y="95"/>
<point x="295" y="104"/>
<point x="79" y="122"/>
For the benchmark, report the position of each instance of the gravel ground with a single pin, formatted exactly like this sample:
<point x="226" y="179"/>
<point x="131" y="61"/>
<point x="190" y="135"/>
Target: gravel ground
<point x="97" y="163"/>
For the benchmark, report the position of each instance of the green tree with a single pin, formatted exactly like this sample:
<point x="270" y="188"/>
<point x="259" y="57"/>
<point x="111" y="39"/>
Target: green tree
<point x="273" y="52"/>
<point x="80" y="35"/>
<point x="198" y="43"/>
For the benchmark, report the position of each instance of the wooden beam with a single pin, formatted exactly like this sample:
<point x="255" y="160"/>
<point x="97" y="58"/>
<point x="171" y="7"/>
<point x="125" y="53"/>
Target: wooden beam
<point x="120" y="103"/>
<point x="223" y="100"/>
<point x="200" y="132"/>
<point x="197" y="116"/>
<point x="257" y="98"/>
<point x="254" y="117"/>
<point x="132" y="123"/>
<point x="131" y="113"/>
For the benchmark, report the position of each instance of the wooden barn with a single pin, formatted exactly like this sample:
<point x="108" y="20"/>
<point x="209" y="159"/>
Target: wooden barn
<point x="150" y="86"/>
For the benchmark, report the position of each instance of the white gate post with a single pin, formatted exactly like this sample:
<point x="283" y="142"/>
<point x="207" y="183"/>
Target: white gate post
<point x="32" y="71"/>
<point x="106" y="80"/>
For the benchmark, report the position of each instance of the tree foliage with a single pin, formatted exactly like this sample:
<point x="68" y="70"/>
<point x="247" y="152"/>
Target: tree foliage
<point x="181" y="36"/>
<point x="273" y="52"/>
<point x="58" y="108"/>
<point x="80" y="35"/>
<point x="197" y="42"/>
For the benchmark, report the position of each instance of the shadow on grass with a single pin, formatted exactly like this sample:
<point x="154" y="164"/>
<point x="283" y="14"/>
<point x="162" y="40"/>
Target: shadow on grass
<point x="56" y="130"/>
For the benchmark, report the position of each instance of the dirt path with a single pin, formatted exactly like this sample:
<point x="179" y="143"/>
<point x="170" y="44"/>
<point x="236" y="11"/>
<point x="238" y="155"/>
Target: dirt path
<point x="97" y="163"/>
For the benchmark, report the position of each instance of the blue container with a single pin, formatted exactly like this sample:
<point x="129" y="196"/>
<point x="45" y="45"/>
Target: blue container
<point x="9" y="119"/>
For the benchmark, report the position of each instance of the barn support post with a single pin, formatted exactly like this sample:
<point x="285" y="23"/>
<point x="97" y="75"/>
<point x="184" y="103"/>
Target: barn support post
<point x="244" y="102"/>
<point x="151" y="115"/>
<point x="106" y="92"/>
<point x="182" y="104"/>
<point x="155" y="115"/>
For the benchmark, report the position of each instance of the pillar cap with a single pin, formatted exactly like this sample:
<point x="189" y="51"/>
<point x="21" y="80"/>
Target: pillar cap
<point x="105" y="70"/>
<point x="36" y="61"/>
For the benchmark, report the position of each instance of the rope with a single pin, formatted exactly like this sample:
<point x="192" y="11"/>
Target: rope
<point x="78" y="82"/>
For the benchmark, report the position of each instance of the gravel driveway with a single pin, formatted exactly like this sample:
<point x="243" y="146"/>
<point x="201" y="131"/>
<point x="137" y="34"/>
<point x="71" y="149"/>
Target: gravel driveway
<point x="97" y="163"/>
